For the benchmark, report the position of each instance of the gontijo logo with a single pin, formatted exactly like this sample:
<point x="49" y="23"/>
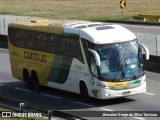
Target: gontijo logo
<point x="35" y="57"/>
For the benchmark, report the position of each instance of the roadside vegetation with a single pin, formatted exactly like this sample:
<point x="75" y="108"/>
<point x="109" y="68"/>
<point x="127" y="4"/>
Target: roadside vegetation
<point x="97" y="10"/>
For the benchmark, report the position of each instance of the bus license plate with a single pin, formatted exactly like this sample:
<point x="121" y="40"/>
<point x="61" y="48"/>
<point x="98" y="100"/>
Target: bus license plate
<point x="126" y="93"/>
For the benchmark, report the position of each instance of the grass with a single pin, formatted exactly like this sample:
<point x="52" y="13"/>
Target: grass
<point x="79" y="9"/>
<point x="3" y="109"/>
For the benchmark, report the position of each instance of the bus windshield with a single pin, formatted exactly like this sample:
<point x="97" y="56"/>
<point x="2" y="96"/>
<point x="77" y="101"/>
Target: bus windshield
<point x="120" y="61"/>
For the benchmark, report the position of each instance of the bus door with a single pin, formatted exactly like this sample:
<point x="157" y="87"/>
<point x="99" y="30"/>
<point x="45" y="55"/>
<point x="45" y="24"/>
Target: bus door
<point x="93" y="77"/>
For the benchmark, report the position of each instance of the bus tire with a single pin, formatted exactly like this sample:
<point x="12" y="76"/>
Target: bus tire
<point x="35" y="80"/>
<point x="84" y="92"/>
<point x="27" y="78"/>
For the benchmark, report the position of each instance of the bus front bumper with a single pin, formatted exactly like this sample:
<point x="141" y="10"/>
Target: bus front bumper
<point x="107" y="93"/>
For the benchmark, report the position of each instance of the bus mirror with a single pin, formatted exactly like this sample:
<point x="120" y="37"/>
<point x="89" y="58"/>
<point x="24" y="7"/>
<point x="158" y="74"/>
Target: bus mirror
<point x="96" y="56"/>
<point x="146" y="51"/>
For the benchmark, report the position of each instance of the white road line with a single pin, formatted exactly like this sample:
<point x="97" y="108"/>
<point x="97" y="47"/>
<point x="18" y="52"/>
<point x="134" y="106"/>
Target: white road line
<point x="1" y="84"/>
<point x="139" y="118"/>
<point x="85" y="104"/>
<point x="105" y="109"/>
<point x="46" y="118"/>
<point x="17" y="88"/>
<point x="52" y="96"/>
<point x="148" y="93"/>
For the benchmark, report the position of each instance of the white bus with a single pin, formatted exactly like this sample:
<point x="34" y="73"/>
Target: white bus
<point x="93" y="59"/>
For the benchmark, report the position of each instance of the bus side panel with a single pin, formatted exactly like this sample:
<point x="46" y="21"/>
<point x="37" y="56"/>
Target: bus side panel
<point x="24" y="59"/>
<point x="59" y="75"/>
<point x="17" y="62"/>
<point x="66" y="74"/>
<point x="60" y="69"/>
<point x="77" y="73"/>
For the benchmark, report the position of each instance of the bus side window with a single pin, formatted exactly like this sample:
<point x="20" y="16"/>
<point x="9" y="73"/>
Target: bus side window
<point x="38" y="41"/>
<point x="17" y="37"/>
<point x="51" y="44"/>
<point x="93" y="65"/>
<point x="75" y="49"/>
<point x="86" y="44"/>
<point x="41" y="42"/>
<point x="63" y="46"/>
<point x="29" y="36"/>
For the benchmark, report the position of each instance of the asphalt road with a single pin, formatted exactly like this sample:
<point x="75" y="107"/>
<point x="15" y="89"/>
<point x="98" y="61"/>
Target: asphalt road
<point x="65" y="101"/>
<point x="144" y="29"/>
<point x="134" y="28"/>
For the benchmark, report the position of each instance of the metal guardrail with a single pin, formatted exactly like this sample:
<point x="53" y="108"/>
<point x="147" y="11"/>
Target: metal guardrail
<point x="26" y="107"/>
<point x="5" y="20"/>
<point x="150" y="40"/>
<point x="3" y="41"/>
<point x="150" y="16"/>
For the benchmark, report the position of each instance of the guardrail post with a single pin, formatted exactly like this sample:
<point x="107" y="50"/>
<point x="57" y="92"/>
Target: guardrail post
<point x="22" y="105"/>
<point x="158" y="20"/>
<point x="4" y="21"/>
<point x="50" y="114"/>
<point x="145" y="19"/>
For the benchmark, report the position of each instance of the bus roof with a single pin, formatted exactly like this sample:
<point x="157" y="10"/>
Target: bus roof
<point x="95" y="32"/>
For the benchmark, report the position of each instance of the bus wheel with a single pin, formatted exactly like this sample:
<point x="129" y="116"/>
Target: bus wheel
<point x="84" y="92"/>
<point x="27" y="79"/>
<point x="35" y="81"/>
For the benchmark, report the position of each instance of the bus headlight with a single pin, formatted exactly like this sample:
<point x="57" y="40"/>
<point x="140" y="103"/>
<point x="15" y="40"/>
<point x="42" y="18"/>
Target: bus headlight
<point x="103" y="85"/>
<point x="143" y="81"/>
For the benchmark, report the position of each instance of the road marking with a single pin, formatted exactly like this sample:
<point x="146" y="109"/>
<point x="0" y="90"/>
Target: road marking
<point x="17" y="88"/>
<point x="52" y="96"/>
<point x="139" y="118"/>
<point x="106" y="109"/>
<point x="1" y="84"/>
<point x="46" y="118"/>
<point x="85" y="104"/>
<point x="148" y="93"/>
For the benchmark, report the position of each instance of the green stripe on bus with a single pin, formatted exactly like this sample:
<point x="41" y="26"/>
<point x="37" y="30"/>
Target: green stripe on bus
<point x="60" y="69"/>
<point x="134" y="82"/>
